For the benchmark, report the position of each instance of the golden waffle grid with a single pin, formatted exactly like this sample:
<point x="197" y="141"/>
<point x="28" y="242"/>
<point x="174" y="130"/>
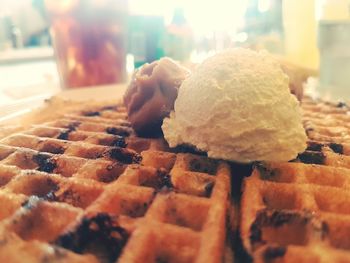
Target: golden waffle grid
<point x="84" y="188"/>
<point x="300" y="211"/>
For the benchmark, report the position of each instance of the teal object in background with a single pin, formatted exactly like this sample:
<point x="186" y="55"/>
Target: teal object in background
<point x="146" y="38"/>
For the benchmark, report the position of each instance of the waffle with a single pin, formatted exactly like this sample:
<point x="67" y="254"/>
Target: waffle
<point x="83" y="187"/>
<point x="299" y="211"/>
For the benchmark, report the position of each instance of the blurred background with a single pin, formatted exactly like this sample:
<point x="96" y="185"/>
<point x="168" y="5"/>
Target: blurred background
<point x="46" y="46"/>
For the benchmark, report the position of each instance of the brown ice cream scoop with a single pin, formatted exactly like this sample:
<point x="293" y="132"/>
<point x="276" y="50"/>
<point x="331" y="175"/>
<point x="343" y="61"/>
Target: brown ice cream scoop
<point x="151" y="95"/>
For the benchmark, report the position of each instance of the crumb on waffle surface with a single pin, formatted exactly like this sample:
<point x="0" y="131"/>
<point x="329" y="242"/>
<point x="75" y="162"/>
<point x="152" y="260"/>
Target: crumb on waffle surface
<point x="300" y="211"/>
<point x="83" y="187"/>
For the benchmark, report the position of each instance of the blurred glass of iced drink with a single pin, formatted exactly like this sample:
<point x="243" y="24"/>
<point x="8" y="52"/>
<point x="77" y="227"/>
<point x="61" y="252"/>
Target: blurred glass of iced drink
<point x="89" y="40"/>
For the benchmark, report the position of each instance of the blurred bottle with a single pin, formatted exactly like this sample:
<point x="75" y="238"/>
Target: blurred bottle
<point x="334" y="45"/>
<point x="16" y="36"/>
<point x="5" y="31"/>
<point x="146" y="38"/>
<point x="89" y="38"/>
<point x="179" y="37"/>
<point x="300" y="27"/>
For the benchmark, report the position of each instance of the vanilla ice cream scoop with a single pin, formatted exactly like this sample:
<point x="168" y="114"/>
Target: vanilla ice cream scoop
<point x="237" y="106"/>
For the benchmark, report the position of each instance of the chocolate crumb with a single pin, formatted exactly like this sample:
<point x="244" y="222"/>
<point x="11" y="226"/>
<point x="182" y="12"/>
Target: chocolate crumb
<point x="336" y="147"/>
<point x="73" y="125"/>
<point x="274" y="218"/>
<point x="208" y="189"/>
<point x="91" y="113"/>
<point x="164" y="179"/>
<point x="209" y="166"/>
<point x="324" y="230"/>
<point x="308" y="130"/>
<point x="311" y="157"/>
<point x="188" y="149"/>
<point x="125" y="156"/>
<point x="65" y="134"/>
<point x="51" y="196"/>
<point x="195" y="165"/>
<point x="121" y="131"/>
<point x="53" y="147"/>
<point x="101" y="233"/>
<point x="314" y="146"/>
<point x="341" y="104"/>
<point x="45" y="162"/>
<point x="70" y="197"/>
<point x="279" y="218"/>
<point x="265" y="172"/>
<point x="271" y="253"/>
<point x="119" y="142"/>
<point x="255" y="233"/>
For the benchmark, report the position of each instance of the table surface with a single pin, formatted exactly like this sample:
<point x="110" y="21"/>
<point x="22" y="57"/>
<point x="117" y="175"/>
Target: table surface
<point x="26" y="79"/>
<point x="97" y="93"/>
<point x="28" y="54"/>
